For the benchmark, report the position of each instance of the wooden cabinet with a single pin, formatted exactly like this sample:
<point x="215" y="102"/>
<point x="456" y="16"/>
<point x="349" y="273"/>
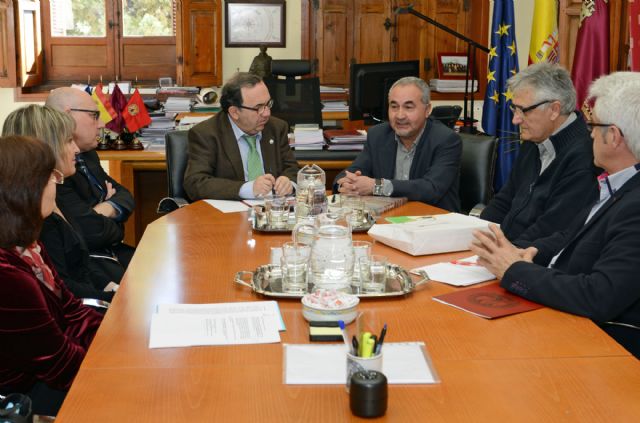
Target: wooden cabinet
<point x="365" y="31"/>
<point x="7" y="45"/>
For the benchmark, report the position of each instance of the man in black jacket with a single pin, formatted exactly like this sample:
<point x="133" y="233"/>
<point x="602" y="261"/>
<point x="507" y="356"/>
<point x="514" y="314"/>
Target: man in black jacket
<point x="95" y="201"/>
<point x="411" y="156"/>
<point x="591" y="269"/>
<point x="554" y="176"/>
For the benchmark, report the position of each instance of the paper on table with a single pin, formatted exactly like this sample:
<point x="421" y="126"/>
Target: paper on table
<point x="403" y="363"/>
<point x="463" y="273"/>
<point x="270" y="308"/>
<point x="184" y="330"/>
<point x="227" y="206"/>
<point x="254" y="202"/>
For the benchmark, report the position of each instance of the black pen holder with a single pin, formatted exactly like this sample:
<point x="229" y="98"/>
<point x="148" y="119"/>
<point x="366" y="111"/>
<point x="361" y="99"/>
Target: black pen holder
<point x="368" y="394"/>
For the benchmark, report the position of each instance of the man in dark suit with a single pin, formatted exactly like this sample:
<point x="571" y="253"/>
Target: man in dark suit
<point x="411" y="156"/>
<point x="553" y="177"/>
<point x="96" y="202"/>
<point x="241" y="152"/>
<point x="590" y="269"/>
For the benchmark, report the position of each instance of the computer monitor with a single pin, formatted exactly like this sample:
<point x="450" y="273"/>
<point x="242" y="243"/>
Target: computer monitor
<point x="369" y="88"/>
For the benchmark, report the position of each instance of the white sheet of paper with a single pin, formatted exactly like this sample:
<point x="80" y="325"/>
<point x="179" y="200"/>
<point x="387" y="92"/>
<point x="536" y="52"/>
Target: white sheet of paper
<point x="185" y="330"/>
<point x="227" y="206"/>
<point x="457" y="274"/>
<point x="254" y="202"/>
<point x="402" y="363"/>
<point x="269" y="308"/>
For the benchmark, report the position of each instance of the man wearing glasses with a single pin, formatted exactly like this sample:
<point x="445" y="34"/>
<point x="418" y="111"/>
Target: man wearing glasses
<point x="554" y="176"/>
<point x="97" y="204"/>
<point x="590" y="268"/>
<point x="241" y="152"/>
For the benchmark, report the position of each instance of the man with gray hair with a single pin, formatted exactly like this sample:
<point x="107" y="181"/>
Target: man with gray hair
<point x="243" y="151"/>
<point x="590" y="269"/>
<point x="553" y="177"/>
<point x="410" y="156"/>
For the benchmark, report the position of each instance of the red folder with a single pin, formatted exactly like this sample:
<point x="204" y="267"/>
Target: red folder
<point x="488" y="301"/>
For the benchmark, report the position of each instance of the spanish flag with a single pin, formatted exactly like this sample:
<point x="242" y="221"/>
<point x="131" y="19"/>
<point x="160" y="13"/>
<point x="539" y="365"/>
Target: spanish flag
<point x="544" y="33"/>
<point x="107" y="113"/>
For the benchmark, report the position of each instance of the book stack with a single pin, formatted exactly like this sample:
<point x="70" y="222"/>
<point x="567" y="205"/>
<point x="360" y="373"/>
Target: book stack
<point x="307" y="137"/>
<point x="345" y="139"/>
<point x="451" y="85"/>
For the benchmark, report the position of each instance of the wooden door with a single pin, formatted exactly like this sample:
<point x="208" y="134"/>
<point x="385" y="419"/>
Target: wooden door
<point x="371" y="37"/>
<point x="332" y="46"/>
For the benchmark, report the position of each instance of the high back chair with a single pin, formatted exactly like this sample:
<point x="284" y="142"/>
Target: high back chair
<point x="477" y="169"/>
<point x="176" y="151"/>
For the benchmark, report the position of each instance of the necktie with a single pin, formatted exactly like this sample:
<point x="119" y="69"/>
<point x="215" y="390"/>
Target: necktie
<point x="82" y="164"/>
<point x="254" y="163"/>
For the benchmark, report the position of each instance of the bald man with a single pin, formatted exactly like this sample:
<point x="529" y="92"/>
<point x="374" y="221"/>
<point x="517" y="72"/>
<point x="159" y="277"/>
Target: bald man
<point x="92" y="199"/>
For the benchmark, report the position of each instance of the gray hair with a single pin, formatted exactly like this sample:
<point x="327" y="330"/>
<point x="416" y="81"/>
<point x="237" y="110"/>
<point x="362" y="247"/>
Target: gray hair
<point x="412" y="80"/>
<point x="548" y="82"/>
<point x="617" y="101"/>
<point x="232" y="91"/>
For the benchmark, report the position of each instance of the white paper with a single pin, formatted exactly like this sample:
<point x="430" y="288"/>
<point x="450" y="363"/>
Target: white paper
<point x="227" y="206"/>
<point x="185" y="330"/>
<point x="457" y="274"/>
<point x="192" y="120"/>
<point x="254" y="202"/>
<point x="309" y="364"/>
<point x="270" y="308"/>
<point x="442" y="234"/>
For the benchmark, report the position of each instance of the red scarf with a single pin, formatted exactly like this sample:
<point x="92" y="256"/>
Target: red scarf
<point x="31" y="255"/>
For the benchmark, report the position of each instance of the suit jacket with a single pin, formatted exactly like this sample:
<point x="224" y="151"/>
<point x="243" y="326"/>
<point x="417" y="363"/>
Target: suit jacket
<point x="215" y="170"/>
<point x="435" y="170"/>
<point x="596" y="275"/>
<point x="77" y="197"/>
<point x="44" y="337"/>
<point x="70" y="257"/>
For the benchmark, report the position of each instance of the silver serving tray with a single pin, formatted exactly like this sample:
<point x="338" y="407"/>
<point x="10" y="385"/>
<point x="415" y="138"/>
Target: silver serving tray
<point x="363" y="226"/>
<point x="267" y="280"/>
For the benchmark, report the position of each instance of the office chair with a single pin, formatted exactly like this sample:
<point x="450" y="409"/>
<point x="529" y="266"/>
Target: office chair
<point x="176" y="150"/>
<point x="448" y="115"/>
<point x="295" y="100"/>
<point x="476" y="171"/>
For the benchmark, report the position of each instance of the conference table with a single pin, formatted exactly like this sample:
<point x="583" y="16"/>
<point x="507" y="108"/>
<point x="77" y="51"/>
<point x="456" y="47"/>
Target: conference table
<point x="543" y="365"/>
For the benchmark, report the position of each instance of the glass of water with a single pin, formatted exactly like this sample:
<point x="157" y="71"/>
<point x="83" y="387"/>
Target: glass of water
<point x="373" y="273"/>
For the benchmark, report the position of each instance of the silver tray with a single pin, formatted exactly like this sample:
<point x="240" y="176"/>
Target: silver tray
<point x="267" y="280"/>
<point x="363" y="226"/>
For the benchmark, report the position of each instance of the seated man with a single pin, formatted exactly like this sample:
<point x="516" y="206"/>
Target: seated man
<point x="410" y="156"/>
<point x="92" y="199"/>
<point x="553" y="177"/>
<point x="241" y="152"/>
<point x="592" y="268"/>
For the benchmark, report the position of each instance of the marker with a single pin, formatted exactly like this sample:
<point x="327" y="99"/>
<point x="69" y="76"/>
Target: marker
<point x="364" y="339"/>
<point x="383" y="333"/>
<point x="344" y="334"/>
<point x="367" y="350"/>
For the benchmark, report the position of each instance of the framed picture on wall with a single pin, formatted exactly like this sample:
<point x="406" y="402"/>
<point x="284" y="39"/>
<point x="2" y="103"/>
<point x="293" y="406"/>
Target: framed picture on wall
<point x="452" y="65"/>
<point x="250" y="23"/>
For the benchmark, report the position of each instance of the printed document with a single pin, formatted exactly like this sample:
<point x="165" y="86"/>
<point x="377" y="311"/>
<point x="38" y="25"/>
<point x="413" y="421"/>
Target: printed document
<point x="228" y="206"/>
<point x="183" y="325"/>
<point x="462" y="272"/>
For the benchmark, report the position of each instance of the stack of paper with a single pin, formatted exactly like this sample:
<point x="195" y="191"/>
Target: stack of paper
<point x="452" y="85"/>
<point x="462" y="272"/>
<point x="308" y="137"/>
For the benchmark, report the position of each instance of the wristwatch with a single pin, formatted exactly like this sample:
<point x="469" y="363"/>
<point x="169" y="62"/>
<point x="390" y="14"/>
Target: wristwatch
<point x="377" y="188"/>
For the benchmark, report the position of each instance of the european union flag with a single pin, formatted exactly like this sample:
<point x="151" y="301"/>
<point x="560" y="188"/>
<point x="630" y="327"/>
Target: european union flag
<point x="503" y="63"/>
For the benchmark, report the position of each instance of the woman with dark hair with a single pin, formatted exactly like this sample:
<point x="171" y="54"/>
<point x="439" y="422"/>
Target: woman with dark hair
<point x="85" y="276"/>
<point x="44" y="330"/>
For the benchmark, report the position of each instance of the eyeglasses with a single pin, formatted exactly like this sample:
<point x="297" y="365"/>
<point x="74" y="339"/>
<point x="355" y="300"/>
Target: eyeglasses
<point x="592" y="125"/>
<point x="57" y="177"/>
<point x="94" y="113"/>
<point x="260" y="108"/>
<point x="515" y="109"/>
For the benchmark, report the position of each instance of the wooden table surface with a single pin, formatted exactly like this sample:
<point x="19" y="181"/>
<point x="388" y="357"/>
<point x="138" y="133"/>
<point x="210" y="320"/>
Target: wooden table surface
<point x="544" y="365"/>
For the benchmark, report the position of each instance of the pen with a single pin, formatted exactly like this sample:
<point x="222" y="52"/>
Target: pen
<point x="273" y="188"/>
<point x="344" y="334"/>
<point x="383" y="333"/>
<point x="464" y="263"/>
<point x="354" y="341"/>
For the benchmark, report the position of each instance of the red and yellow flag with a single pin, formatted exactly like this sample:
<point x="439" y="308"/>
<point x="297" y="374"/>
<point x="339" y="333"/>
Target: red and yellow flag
<point x="107" y="113"/>
<point x="544" y="32"/>
<point x="135" y="113"/>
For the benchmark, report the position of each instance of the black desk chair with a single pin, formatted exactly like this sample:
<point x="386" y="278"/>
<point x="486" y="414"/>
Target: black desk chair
<point x="176" y="151"/>
<point x="448" y="115"/>
<point x="476" y="171"/>
<point x="296" y="100"/>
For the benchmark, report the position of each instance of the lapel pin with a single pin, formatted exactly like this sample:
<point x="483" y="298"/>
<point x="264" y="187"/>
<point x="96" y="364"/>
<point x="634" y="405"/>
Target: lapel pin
<point x="271" y="141"/>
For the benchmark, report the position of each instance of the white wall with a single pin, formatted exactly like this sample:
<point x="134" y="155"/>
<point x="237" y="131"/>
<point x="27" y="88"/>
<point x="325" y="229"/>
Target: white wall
<point x="234" y="59"/>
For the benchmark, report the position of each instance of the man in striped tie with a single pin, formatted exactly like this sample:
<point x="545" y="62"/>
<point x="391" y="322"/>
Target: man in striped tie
<point x="241" y="152"/>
